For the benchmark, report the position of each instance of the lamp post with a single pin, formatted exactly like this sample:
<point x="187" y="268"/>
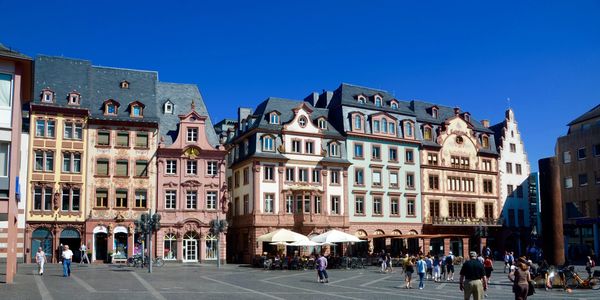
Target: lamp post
<point x="147" y="224"/>
<point x="217" y="227"/>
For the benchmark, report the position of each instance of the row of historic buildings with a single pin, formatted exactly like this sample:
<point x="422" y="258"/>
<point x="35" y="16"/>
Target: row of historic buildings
<point x="95" y="147"/>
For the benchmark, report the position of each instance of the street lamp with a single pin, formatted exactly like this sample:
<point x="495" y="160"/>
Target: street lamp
<point x="217" y="227"/>
<point x="147" y="224"/>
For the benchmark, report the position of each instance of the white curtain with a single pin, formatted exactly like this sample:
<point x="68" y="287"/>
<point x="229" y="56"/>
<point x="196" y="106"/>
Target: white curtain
<point x="5" y="88"/>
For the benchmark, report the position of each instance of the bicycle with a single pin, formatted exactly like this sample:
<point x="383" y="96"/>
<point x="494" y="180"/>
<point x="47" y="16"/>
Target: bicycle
<point x="575" y="281"/>
<point x="137" y="261"/>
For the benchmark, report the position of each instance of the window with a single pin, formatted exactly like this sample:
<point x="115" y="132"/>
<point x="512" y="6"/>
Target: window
<point x="384" y="125"/>
<point x="246" y="175"/>
<point x="487" y="164"/>
<point x="583" y="179"/>
<point x="123" y="139"/>
<point x="44" y="161"/>
<point x="274" y="118"/>
<point x="359" y="177"/>
<point x="393" y="154"/>
<point x="192" y="134"/>
<point x="168" y="107"/>
<point x="521" y="217"/>
<point x="246" y="204"/>
<point x="427" y="133"/>
<point x="568" y="182"/>
<point x="597" y="150"/>
<point x="434" y="182"/>
<point x="518" y="169"/>
<point x="509" y="168"/>
<point x="377" y="206"/>
<point x="101" y="198"/>
<point x="358" y="150"/>
<point x="410" y="180"/>
<point x="236" y="179"/>
<point x="141" y="140"/>
<point x="376" y="152"/>
<point x="71" y="162"/>
<point x="103" y="138"/>
<point x="519" y="191"/>
<point x="296" y="146"/>
<point x="192" y="167"/>
<point x="334" y="150"/>
<point x="302" y="121"/>
<point x="170" y="199"/>
<point x="510" y="189"/>
<point x="434" y="112"/>
<point x="488" y="210"/>
<point x="124" y="84"/>
<point x="597" y="177"/>
<point x="302" y="175"/>
<point x="394" y="179"/>
<point x="191" y="200"/>
<point x="42" y="198"/>
<point x="408" y="130"/>
<point x="513" y="148"/>
<point x="376" y="126"/>
<point x="5" y="90"/>
<point x="335" y="177"/>
<point x="102" y="167"/>
<point x="394" y="206"/>
<point x="268" y="144"/>
<point x="581" y="154"/>
<point x="71" y="198"/>
<point x="394" y="105"/>
<point x="488" y="186"/>
<point x="122" y="168"/>
<point x="432" y="159"/>
<point x="316" y="176"/>
<point x="121" y="198"/>
<point x="409" y="156"/>
<point x="567" y="157"/>
<point x="306" y="204"/>
<point x="45" y="128"/>
<point x="308" y="147"/>
<point x="434" y="208"/>
<point x="459" y="162"/>
<point x="140" y="199"/>
<point x="269" y="199"/>
<point x="461" y="209"/>
<point x="72" y="131"/>
<point x="171" y="167"/>
<point x="211" y="200"/>
<point x="335" y="205"/>
<point x="511" y="217"/>
<point x="392" y="128"/>
<point x="141" y="168"/>
<point x="246" y="147"/>
<point x="359" y="203"/>
<point x="111" y="109"/>
<point x="459" y="140"/>
<point x="322" y="124"/>
<point x="4" y="159"/>
<point x="377" y="178"/>
<point x="299" y="204"/>
<point x="289" y="174"/>
<point x="378" y="101"/>
<point x="361" y="99"/>
<point x="357" y="123"/>
<point x="136" y="111"/>
<point x="289" y="204"/>
<point x="211" y="168"/>
<point x="269" y="173"/>
<point x="410" y="207"/>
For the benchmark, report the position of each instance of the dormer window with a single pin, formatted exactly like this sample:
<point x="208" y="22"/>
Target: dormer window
<point x="168" y="107"/>
<point x="73" y="98"/>
<point x="467" y="117"/>
<point x="124" y="84"/>
<point x="434" y="112"/>
<point x="136" y="109"/>
<point x="485" y="141"/>
<point x="322" y="123"/>
<point x="302" y="121"/>
<point x="384" y="125"/>
<point x="274" y="118"/>
<point x="47" y="96"/>
<point x="111" y="107"/>
<point x="394" y="105"/>
<point x="268" y="143"/>
<point x="361" y="99"/>
<point x="408" y="129"/>
<point x="377" y="101"/>
<point x="427" y="133"/>
<point x="334" y="149"/>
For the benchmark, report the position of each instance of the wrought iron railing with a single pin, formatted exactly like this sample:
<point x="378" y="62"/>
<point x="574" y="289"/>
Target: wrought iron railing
<point x="463" y="221"/>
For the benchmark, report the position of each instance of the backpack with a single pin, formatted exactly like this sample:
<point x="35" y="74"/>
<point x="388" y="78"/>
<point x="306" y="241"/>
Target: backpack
<point x="449" y="259"/>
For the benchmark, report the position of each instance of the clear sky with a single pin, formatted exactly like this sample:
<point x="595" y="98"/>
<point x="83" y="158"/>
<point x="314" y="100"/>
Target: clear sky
<point x="543" y="55"/>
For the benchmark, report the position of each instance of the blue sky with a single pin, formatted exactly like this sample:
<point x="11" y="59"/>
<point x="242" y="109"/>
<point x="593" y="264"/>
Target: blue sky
<point x="544" y="55"/>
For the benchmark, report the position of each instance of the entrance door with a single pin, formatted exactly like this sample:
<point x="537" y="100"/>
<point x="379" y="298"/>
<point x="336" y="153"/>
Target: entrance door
<point x="101" y="245"/>
<point x="70" y="237"/>
<point x="190" y="250"/>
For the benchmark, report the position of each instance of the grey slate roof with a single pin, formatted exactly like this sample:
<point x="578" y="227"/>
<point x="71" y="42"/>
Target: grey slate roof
<point x="7" y="52"/>
<point x="346" y="95"/>
<point x="96" y="85"/>
<point x="181" y="95"/>
<point x="421" y="110"/>
<point x="590" y="114"/>
<point x="498" y="130"/>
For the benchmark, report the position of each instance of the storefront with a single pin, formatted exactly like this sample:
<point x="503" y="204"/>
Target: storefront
<point x="71" y="237"/>
<point x="190" y="246"/>
<point x="42" y="237"/>
<point x="170" y="247"/>
<point x="100" y="244"/>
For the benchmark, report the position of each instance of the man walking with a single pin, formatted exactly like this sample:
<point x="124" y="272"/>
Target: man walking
<point x="421" y="269"/>
<point x="322" y="268"/>
<point x="472" y="278"/>
<point x="67" y="255"/>
<point x="449" y="262"/>
<point x="83" y="250"/>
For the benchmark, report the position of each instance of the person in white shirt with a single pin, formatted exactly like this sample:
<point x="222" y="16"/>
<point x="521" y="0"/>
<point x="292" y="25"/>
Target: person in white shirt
<point x="40" y="259"/>
<point x="83" y="250"/>
<point x="67" y="256"/>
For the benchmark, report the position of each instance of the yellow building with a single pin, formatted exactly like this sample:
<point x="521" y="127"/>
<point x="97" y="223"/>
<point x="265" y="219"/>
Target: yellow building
<point x="56" y="173"/>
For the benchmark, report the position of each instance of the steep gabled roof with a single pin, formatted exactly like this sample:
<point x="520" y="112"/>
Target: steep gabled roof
<point x="346" y="95"/>
<point x="590" y="114"/>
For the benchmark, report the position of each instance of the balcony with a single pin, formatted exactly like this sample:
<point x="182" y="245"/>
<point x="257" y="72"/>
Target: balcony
<point x="462" y="221"/>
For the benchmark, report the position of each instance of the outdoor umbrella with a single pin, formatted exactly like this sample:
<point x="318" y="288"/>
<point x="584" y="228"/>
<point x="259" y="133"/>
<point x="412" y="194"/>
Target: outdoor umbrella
<point x="307" y="243"/>
<point x="282" y="235"/>
<point x="335" y="236"/>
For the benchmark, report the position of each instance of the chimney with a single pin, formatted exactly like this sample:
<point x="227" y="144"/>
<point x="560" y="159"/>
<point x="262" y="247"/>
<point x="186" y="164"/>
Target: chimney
<point x="456" y="111"/>
<point x="312" y="98"/>
<point x="485" y="123"/>
<point x="325" y="99"/>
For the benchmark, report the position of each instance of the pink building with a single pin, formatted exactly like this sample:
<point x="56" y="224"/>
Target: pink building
<point x="191" y="177"/>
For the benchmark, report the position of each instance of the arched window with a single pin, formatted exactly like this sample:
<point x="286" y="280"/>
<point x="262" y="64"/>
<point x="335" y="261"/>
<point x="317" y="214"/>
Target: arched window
<point x="377" y="101"/>
<point x="392" y="128"/>
<point x="361" y="99"/>
<point x="357" y="122"/>
<point x="434" y="112"/>
<point x="485" y="141"/>
<point x="211" y="247"/>
<point x="268" y="143"/>
<point x="74" y="98"/>
<point x="322" y="124"/>
<point x="427" y="133"/>
<point x="302" y="121"/>
<point x="274" y="118"/>
<point x="408" y="130"/>
<point x="168" y="108"/>
<point x="170" y="247"/>
<point x="190" y="247"/>
<point x="41" y="237"/>
<point x="394" y="105"/>
<point x="384" y="125"/>
<point x="334" y="149"/>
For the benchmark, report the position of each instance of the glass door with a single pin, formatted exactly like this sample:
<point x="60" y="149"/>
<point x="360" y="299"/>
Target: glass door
<point x="190" y="250"/>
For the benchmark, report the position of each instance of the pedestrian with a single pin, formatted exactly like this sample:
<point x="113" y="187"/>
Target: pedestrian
<point x="436" y="268"/>
<point x="472" y="278"/>
<point x="421" y="270"/>
<point x="589" y="265"/>
<point x="40" y="259"/>
<point x="322" y="268"/>
<point x="506" y="263"/>
<point x="443" y="267"/>
<point x="409" y="269"/>
<point x="388" y="262"/>
<point x="383" y="261"/>
<point x="520" y="278"/>
<point x="83" y="251"/>
<point x="429" y="262"/>
<point x="67" y="255"/>
<point x="450" y="266"/>
<point x="488" y="266"/>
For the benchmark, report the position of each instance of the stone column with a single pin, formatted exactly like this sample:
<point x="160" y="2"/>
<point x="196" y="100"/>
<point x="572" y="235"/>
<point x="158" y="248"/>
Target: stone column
<point x="426" y="244"/>
<point x="446" y="246"/>
<point x="482" y="244"/>
<point x="465" y="242"/>
<point x="552" y="211"/>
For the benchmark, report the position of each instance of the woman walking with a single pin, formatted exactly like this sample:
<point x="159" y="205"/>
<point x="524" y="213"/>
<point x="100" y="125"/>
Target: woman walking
<point x="520" y="278"/>
<point x="40" y="259"/>
<point x="436" y="268"/>
<point x="409" y="270"/>
<point x="488" y="266"/>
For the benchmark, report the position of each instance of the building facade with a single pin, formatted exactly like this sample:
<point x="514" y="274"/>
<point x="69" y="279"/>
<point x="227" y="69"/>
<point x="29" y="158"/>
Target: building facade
<point x="514" y="170"/>
<point x="289" y="170"/>
<point x="578" y="155"/>
<point x="459" y="171"/>
<point x="15" y="90"/>
<point x="191" y="177"/>
<point x="384" y="182"/>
